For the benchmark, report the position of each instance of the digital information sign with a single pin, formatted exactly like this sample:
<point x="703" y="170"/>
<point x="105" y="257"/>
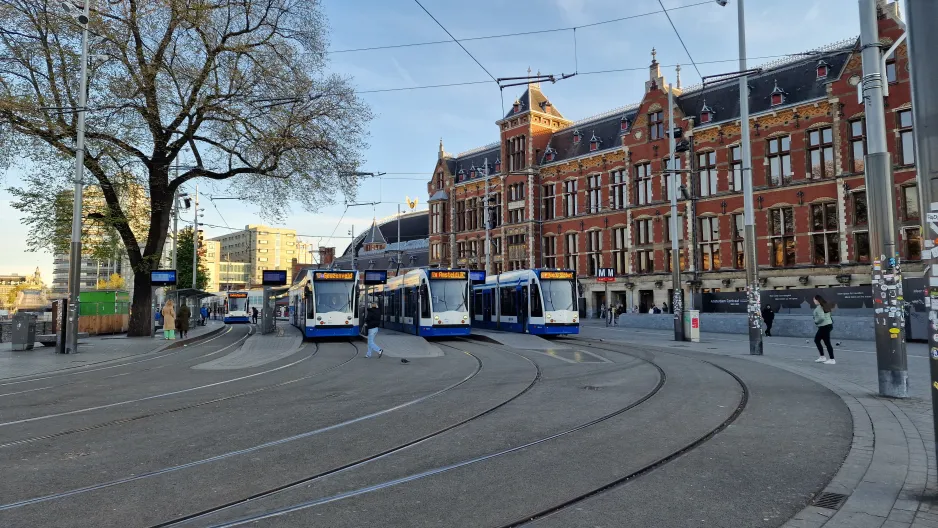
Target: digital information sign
<point x="334" y="275"/>
<point x="556" y="275"/>
<point x="455" y="275"/>
<point x="274" y="277"/>
<point x="163" y="278"/>
<point x="477" y="275"/>
<point x="373" y="277"/>
<point x="238" y="295"/>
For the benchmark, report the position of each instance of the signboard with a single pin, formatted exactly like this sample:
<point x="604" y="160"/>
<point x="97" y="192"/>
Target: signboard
<point x="373" y="277"/>
<point x="273" y="277"/>
<point x="606" y="275"/>
<point x="163" y="278"/>
<point x="477" y="276"/>
<point x="556" y="275"/>
<point x="334" y="275"/>
<point x="238" y="295"/>
<point x="449" y="274"/>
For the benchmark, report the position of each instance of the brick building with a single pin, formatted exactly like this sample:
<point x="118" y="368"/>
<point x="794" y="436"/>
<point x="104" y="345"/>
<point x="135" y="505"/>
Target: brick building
<point x="592" y="193"/>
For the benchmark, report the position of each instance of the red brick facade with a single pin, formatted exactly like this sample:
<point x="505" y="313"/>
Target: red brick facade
<point x="808" y="185"/>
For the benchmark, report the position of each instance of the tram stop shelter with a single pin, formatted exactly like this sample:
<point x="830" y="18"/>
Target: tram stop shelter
<point x="192" y="298"/>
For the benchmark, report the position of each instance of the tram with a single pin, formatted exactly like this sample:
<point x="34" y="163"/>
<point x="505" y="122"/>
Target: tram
<point x="324" y="303"/>
<point x="540" y="302"/>
<point x="425" y="302"/>
<point x="237" y="307"/>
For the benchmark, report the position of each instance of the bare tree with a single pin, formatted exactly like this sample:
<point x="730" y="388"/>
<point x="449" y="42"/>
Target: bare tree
<point x="240" y="84"/>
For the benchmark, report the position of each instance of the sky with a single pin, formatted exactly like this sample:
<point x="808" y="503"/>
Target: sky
<point x="408" y="124"/>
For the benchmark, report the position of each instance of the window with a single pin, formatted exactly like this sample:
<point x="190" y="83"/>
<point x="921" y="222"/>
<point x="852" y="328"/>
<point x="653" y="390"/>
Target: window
<point x="782" y="230"/>
<point x="707" y="164"/>
<point x="913" y="243"/>
<point x="496" y="246"/>
<point x="593" y="193"/>
<point x="643" y="184"/>
<point x="821" y="152"/>
<point x="516" y="192"/>
<point x="261" y="241"/>
<point x="891" y="71"/>
<point x="710" y="243"/>
<point x="739" y="232"/>
<point x="516" y="157"/>
<point x="668" y="255"/>
<point x="619" y="250"/>
<point x="547" y="202"/>
<point x="495" y="210"/>
<point x="906" y="140"/>
<point x="262" y="251"/>
<point x="550" y="252"/>
<point x="594" y="249"/>
<point x="655" y="125"/>
<point x="617" y="194"/>
<point x="461" y="250"/>
<point x="643" y="232"/>
<point x="669" y="177"/>
<point x="569" y="198"/>
<point x="461" y="215"/>
<point x="910" y="202"/>
<point x="736" y="168"/>
<point x="435" y="252"/>
<point x="779" y="156"/>
<point x="860" y="212"/>
<point x="861" y="244"/>
<point x="680" y="228"/>
<point x="471" y="215"/>
<point x="825" y="237"/>
<point x="645" y="261"/>
<point x="857" y="144"/>
<point x="516" y="216"/>
<point x="571" y="249"/>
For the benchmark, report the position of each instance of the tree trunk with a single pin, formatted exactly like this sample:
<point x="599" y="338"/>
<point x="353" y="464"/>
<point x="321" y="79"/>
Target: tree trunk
<point x="141" y="315"/>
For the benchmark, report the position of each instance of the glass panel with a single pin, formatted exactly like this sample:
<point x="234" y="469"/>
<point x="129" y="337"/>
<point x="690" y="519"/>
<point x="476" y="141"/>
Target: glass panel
<point x="817" y="218"/>
<point x="333" y="296"/>
<point x="815" y="163"/>
<point x="778" y="250"/>
<point x="776" y="221"/>
<point x="775" y="171"/>
<point x="706" y="258"/>
<point x="908" y="148"/>
<point x="857" y="156"/>
<point x="789" y="251"/>
<point x="914" y="241"/>
<point x="860" y="214"/>
<point x="786" y="166"/>
<point x="829" y="161"/>
<point x="813" y="138"/>
<point x="856" y="128"/>
<point x="818" y="249"/>
<point x="716" y="257"/>
<point x="831" y="214"/>
<point x="558" y="295"/>
<point x="833" y="248"/>
<point x="786" y="143"/>
<point x="905" y="118"/>
<point x="448" y="295"/>
<point x="713" y="158"/>
<point x="740" y="256"/>
<point x="789" y="221"/>
<point x="827" y="135"/>
<point x="891" y="72"/>
<point x="910" y="196"/>
<point x="863" y="247"/>
<point x="773" y="146"/>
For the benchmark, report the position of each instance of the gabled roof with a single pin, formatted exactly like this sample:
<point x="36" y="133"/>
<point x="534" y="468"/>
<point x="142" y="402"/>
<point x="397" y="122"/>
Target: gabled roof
<point x="374" y="235"/>
<point x="477" y="159"/>
<point x="607" y="128"/>
<point x="534" y="98"/>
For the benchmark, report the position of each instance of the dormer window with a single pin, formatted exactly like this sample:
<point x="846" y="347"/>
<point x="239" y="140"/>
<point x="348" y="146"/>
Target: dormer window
<point x="498" y="165"/>
<point x="550" y="154"/>
<point x="822" y="69"/>
<point x="461" y="175"/>
<point x="516" y="107"/>
<point x="576" y="136"/>
<point x="706" y="113"/>
<point x="594" y="142"/>
<point x="472" y="171"/>
<point x="624" y="124"/>
<point x="778" y="95"/>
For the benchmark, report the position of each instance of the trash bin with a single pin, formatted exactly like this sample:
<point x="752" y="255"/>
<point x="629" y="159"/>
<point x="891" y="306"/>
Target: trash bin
<point x="24" y="331"/>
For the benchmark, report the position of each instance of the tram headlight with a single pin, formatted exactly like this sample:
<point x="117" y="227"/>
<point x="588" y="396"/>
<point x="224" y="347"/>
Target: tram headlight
<point x="319" y="318"/>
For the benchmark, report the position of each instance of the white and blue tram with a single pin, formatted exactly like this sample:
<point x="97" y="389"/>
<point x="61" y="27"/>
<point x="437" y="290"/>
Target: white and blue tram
<point x="425" y="302"/>
<point x="237" y="307"/>
<point x="324" y="303"/>
<point x="539" y="302"/>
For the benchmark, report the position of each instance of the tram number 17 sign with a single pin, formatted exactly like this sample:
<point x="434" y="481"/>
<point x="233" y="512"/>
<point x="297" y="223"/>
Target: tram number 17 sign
<point x="606" y="275"/>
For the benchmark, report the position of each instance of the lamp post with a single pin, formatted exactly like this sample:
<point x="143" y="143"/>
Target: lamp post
<point x="677" y="301"/>
<point x="74" y="270"/>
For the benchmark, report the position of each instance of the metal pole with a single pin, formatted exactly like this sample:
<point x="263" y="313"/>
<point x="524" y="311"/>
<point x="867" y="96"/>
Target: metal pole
<point x="355" y="252"/>
<point x="195" y="237"/>
<point x="753" y="288"/>
<point x="74" y="271"/>
<point x="399" y="252"/>
<point x="488" y="223"/>
<point x="677" y="302"/>
<point x="922" y="41"/>
<point x="889" y="324"/>
<point x="175" y="224"/>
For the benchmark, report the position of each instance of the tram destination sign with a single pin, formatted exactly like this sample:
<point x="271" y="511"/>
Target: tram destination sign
<point x="449" y="274"/>
<point x="334" y="275"/>
<point x="556" y="275"/>
<point x="238" y="295"/>
<point x="163" y="277"/>
<point x="373" y="277"/>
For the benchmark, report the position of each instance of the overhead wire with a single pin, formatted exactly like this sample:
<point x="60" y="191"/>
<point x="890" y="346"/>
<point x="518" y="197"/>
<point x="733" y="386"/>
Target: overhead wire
<point x="456" y="41"/>
<point x="676" y="32"/>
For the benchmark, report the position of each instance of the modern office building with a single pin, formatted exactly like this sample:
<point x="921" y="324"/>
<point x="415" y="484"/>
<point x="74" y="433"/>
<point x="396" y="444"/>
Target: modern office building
<point x="261" y="248"/>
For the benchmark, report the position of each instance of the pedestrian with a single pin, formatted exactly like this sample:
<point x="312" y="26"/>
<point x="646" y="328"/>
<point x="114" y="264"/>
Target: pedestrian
<point x="204" y="313"/>
<point x="664" y="307"/>
<point x="372" y="321"/>
<point x="768" y="315"/>
<point x="824" y="322"/>
<point x="169" y="320"/>
<point x="254" y="314"/>
<point x="655" y="309"/>
<point x="602" y="310"/>
<point x="182" y="320"/>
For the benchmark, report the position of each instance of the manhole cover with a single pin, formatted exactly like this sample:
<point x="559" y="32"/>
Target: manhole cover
<point x="831" y="501"/>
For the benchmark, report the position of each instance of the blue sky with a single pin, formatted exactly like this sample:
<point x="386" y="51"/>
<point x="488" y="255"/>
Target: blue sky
<point x="409" y="124"/>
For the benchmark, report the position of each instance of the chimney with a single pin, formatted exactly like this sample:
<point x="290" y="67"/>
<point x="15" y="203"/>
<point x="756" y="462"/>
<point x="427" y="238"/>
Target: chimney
<point x="326" y="256"/>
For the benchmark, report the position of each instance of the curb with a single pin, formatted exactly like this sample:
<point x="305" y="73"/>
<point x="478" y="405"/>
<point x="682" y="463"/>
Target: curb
<point x="185" y="342"/>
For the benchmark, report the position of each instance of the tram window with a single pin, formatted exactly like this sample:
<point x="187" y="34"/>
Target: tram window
<point x="537" y="309"/>
<point x="507" y="301"/>
<point x="477" y="302"/>
<point x="424" y="302"/>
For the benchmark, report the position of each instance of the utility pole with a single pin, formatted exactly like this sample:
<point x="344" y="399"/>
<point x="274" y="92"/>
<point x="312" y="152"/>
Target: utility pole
<point x="354" y="249"/>
<point x="488" y="223"/>
<point x="400" y="252"/>
<point x="75" y="260"/>
<point x="677" y="302"/>
<point x="753" y="293"/>
<point x="175" y="224"/>
<point x="889" y="323"/>
<point x="195" y="237"/>
<point x="922" y="41"/>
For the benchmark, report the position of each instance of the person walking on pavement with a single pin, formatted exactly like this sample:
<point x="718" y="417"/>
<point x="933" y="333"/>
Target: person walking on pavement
<point x="254" y="314"/>
<point x="768" y="315"/>
<point x="824" y="322"/>
<point x="169" y="320"/>
<point x="602" y="310"/>
<point x="373" y="321"/>
<point x="204" y="313"/>
<point x="182" y="320"/>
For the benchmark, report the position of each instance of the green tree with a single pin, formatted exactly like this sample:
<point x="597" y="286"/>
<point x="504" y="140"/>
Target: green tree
<point x="184" y="263"/>
<point x="241" y="85"/>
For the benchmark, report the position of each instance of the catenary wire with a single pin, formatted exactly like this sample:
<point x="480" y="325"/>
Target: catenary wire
<point x="456" y="41"/>
<point x="676" y="32"/>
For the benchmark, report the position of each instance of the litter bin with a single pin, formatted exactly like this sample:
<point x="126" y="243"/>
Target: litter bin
<point x="24" y="331"/>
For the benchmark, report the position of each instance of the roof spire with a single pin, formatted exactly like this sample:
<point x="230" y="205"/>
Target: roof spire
<point x="442" y="152"/>
<point x="677" y="69"/>
<point x="653" y="55"/>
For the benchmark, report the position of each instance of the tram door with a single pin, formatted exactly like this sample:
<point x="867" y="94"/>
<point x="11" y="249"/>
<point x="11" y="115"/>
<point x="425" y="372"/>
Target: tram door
<point x="523" y="309"/>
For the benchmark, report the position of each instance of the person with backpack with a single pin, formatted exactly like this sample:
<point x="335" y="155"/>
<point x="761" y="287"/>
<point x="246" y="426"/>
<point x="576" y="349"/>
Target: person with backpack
<point x="824" y="323"/>
<point x="373" y="321"/>
<point x="768" y="315"/>
<point x="254" y="314"/>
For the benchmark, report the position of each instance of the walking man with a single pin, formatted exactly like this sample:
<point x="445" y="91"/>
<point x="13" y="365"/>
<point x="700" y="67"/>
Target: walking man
<point x="254" y="314"/>
<point x="372" y="321"/>
<point x="768" y="315"/>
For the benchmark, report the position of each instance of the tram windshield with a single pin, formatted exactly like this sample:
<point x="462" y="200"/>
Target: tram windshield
<point x="237" y="304"/>
<point x="449" y="295"/>
<point x="334" y="296"/>
<point x="558" y="295"/>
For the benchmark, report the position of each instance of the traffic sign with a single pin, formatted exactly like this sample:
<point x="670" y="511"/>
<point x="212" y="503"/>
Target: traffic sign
<point x="606" y="275"/>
